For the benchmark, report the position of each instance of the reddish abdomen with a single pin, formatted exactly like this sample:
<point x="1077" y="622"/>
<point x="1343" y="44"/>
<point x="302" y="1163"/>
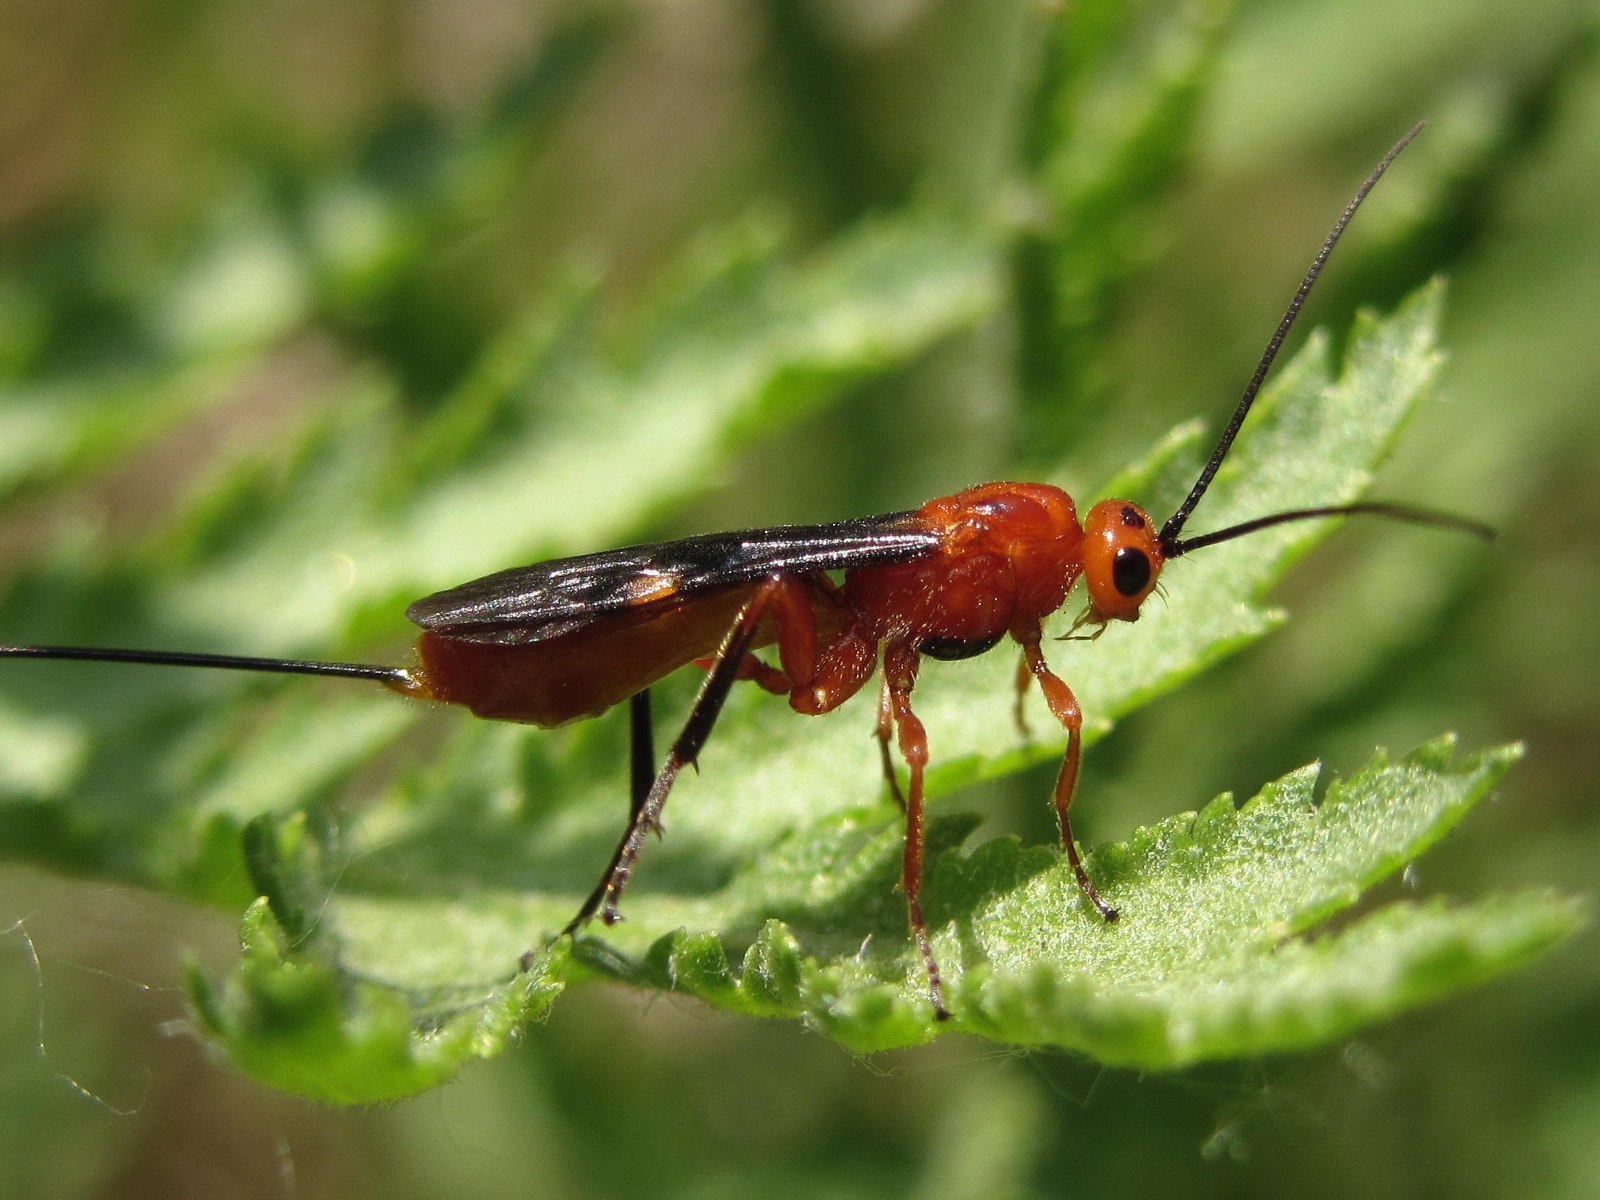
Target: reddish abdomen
<point x="578" y="674"/>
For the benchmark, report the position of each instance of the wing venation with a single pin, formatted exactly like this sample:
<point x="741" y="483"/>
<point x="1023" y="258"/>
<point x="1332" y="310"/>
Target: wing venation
<point x="534" y="603"/>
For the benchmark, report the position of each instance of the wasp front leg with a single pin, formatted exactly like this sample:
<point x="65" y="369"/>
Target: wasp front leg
<point x="1064" y="706"/>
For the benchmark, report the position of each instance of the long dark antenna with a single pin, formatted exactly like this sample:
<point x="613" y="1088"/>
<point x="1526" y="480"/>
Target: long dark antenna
<point x="1174" y="525"/>
<point x="395" y="677"/>
<point x="1375" y="508"/>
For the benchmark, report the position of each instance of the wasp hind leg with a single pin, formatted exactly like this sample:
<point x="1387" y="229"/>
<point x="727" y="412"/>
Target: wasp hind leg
<point x="641" y="753"/>
<point x="685" y="749"/>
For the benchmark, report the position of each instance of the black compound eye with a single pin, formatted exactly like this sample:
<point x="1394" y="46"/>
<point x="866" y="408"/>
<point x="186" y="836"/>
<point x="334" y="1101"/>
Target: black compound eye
<point x="1130" y="571"/>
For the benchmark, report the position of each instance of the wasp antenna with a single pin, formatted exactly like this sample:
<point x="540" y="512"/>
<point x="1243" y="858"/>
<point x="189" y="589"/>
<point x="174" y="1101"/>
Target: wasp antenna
<point x="395" y="677"/>
<point x="1169" y="532"/>
<point x="1377" y="508"/>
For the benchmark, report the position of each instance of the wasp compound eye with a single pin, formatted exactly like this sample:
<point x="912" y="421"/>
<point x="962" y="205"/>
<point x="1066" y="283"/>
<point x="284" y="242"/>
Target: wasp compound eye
<point x="1130" y="571"/>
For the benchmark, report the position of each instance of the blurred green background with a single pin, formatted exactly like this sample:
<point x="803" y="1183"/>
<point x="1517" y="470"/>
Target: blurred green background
<point x="217" y="216"/>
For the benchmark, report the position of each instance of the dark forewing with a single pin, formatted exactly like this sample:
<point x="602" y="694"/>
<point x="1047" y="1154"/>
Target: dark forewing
<point x="531" y="604"/>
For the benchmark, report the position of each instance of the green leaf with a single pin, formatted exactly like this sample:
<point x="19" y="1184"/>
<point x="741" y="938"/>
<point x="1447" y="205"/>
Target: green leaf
<point x="1212" y="958"/>
<point x="774" y="891"/>
<point x="1219" y="966"/>
<point x="305" y="1026"/>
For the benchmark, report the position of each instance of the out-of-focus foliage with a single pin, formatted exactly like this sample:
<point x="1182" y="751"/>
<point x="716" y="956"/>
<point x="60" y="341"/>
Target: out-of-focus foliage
<point x="291" y="298"/>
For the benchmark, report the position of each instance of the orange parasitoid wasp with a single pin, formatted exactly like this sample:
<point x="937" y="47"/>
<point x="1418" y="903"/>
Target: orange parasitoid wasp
<point x="567" y="639"/>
